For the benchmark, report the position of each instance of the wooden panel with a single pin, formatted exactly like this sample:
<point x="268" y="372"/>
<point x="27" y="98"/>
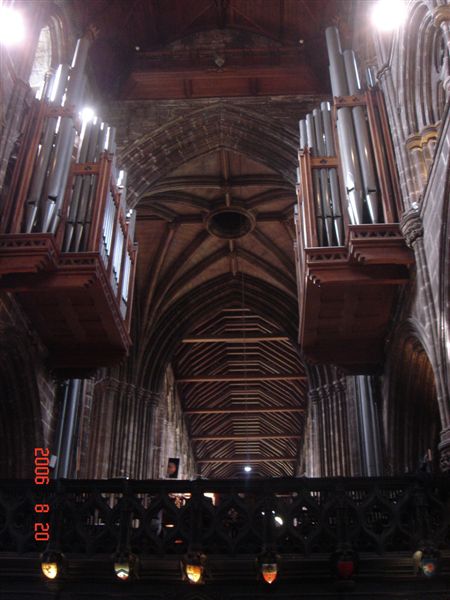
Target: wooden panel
<point x="187" y="83"/>
<point x="77" y="316"/>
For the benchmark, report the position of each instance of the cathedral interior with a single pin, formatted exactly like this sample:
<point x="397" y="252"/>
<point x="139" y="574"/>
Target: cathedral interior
<point x="224" y="299"/>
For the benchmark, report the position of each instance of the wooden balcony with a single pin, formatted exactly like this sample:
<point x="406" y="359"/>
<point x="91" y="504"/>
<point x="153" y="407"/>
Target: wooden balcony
<point x="75" y="280"/>
<point x="348" y="293"/>
<point x="383" y="521"/>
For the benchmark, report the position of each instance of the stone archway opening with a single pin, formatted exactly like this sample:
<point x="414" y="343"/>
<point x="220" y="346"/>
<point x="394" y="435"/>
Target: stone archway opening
<point x="411" y="419"/>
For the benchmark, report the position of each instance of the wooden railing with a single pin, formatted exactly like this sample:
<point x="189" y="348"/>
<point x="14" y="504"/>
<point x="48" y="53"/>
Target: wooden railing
<point x="306" y="517"/>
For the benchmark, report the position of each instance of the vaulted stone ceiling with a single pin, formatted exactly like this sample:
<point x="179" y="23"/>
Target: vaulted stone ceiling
<point x="206" y="112"/>
<point x="224" y="221"/>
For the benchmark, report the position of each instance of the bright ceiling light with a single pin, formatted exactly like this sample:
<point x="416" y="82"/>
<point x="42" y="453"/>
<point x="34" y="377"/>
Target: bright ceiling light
<point x="12" y="28"/>
<point x="388" y="15"/>
<point x="247" y="468"/>
<point x="87" y="114"/>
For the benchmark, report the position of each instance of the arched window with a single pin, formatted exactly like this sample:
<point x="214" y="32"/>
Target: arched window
<point x="54" y="46"/>
<point x="42" y="61"/>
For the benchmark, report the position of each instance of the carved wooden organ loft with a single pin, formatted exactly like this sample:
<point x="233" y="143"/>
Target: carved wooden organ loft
<point x="350" y="254"/>
<point x="67" y="247"/>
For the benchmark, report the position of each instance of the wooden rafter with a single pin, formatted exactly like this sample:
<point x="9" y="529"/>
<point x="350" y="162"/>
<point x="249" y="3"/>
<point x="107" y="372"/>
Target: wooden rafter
<point x="244" y="411"/>
<point x="269" y="196"/>
<point x="268" y="459"/>
<point x="236" y="340"/>
<point x="178" y="198"/>
<point x="270" y="245"/>
<point x="214" y="182"/>
<point x="243" y="438"/>
<point x="161" y="253"/>
<point x="208" y="377"/>
<point x="285" y="280"/>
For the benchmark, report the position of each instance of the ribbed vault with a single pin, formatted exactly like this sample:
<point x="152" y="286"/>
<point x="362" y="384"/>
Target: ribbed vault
<point x="209" y="129"/>
<point x="203" y="303"/>
<point x="215" y="233"/>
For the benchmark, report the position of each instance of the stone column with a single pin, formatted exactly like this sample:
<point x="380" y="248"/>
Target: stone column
<point x="150" y="402"/>
<point x="313" y="449"/>
<point x="331" y="432"/>
<point x="353" y="432"/>
<point x="101" y="438"/>
<point x="369" y="427"/>
<point x="85" y="425"/>
<point x="426" y="313"/>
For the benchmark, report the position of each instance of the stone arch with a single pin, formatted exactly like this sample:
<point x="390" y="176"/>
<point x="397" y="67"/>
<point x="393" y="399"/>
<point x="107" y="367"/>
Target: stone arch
<point x="155" y="155"/>
<point x="424" y="63"/>
<point x="207" y="298"/>
<point x="20" y="410"/>
<point x="410" y="413"/>
<point x="423" y="71"/>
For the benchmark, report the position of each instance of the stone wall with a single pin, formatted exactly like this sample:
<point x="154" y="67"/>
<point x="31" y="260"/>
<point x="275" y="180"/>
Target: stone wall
<point x="28" y="410"/>
<point x="413" y="71"/>
<point x="133" y="431"/>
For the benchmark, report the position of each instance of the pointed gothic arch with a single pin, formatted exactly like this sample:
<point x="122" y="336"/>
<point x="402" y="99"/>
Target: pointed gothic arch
<point x="219" y="125"/>
<point x="174" y="323"/>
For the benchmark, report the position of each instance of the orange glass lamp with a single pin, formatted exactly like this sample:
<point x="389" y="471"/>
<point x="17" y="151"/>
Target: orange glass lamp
<point x="193" y="566"/>
<point x="124" y="565"/>
<point x="268" y="567"/>
<point x="426" y="560"/>
<point x="51" y="564"/>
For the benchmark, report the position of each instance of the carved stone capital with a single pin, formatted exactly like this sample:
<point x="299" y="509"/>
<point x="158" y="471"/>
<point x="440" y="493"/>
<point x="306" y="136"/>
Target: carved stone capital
<point x="441" y="14"/>
<point x="444" y="451"/>
<point x="107" y="386"/>
<point x="150" y="399"/>
<point x="411" y="226"/>
<point x="340" y="385"/>
<point x="313" y="396"/>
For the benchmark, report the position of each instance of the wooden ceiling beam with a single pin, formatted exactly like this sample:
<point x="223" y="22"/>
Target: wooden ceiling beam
<point x="268" y="196"/>
<point x="252" y="460"/>
<point x="285" y="279"/>
<point x="170" y="184"/>
<point x="156" y="268"/>
<point x="238" y="411"/>
<point x="145" y="214"/>
<point x="243" y="438"/>
<point x="207" y="378"/>
<point x="270" y="245"/>
<point x="228" y="339"/>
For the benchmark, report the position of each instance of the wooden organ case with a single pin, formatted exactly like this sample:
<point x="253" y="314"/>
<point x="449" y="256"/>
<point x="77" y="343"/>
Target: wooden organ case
<point x="351" y="257"/>
<point x="67" y="249"/>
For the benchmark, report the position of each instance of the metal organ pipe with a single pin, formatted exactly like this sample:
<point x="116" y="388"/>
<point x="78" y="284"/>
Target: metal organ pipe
<point x="132" y="224"/>
<point x="323" y="177"/>
<point x="312" y="144"/>
<point x="66" y="136"/>
<point x="332" y="173"/>
<point x="303" y="134"/>
<point x="88" y="190"/>
<point x="362" y="138"/>
<point x="345" y="129"/>
<point x="54" y="95"/>
<point x="371" y="76"/>
<point x="95" y="198"/>
<point x="77" y="189"/>
<point x="317" y="134"/>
